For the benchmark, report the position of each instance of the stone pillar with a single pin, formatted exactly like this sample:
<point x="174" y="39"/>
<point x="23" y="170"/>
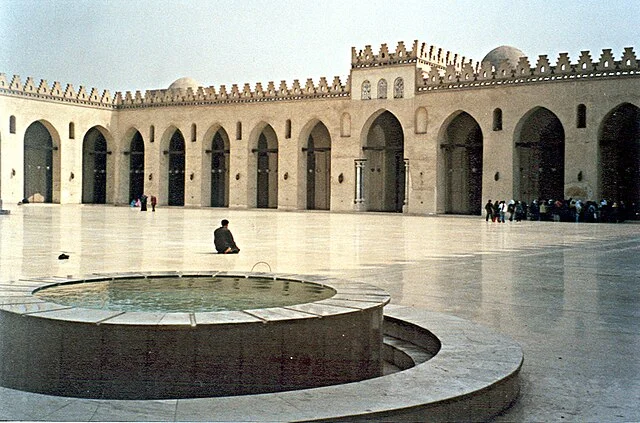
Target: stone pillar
<point x="359" y="188"/>
<point x="405" y="203"/>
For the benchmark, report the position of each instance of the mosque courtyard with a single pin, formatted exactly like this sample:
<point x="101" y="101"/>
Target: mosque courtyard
<point x="568" y="293"/>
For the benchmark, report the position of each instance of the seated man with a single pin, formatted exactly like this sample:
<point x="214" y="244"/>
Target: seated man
<point x="223" y="239"/>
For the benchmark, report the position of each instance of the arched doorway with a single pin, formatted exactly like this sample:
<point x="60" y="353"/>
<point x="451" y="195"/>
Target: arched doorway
<point x="384" y="174"/>
<point x="462" y="147"/>
<point x="175" y="177"/>
<point x="539" y="157"/>
<point x="38" y="164"/>
<point x="220" y="169"/>
<point x="136" y="167"/>
<point x="318" y="168"/>
<point x="267" y="169"/>
<point x="94" y="167"/>
<point x="619" y="151"/>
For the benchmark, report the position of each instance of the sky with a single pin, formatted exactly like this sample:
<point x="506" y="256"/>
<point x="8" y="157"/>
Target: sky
<point x="128" y="45"/>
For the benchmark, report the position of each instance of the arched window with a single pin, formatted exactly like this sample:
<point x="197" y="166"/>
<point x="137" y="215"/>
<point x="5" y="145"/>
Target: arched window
<point x="366" y="90"/>
<point x="12" y="124"/>
<point x="398" y="88"/>
<point x="497" y="120"/>
<point x="345" y="126"/>
<point x="287" y="129"/>
<point x="421" y="121"/>
<point x="382" y="88"/>
<point x="581" y="116"/>
<point x="239" y="130"/>
<point x="72" y="130"/>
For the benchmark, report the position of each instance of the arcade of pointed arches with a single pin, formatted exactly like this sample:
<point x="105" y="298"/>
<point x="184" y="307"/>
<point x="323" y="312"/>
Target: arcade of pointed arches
<point x="538" y="143"/>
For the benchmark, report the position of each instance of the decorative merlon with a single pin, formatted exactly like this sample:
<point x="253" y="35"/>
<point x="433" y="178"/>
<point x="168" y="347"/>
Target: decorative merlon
<point x="438" y="69"/>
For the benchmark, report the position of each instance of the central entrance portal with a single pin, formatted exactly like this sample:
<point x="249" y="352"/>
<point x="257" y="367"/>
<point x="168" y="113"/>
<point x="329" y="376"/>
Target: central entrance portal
<point x="384" y="174"/>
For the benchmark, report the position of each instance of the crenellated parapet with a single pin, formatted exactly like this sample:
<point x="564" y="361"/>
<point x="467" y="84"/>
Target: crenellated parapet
<point x="543" y="70"/>
<point x="236" y="94"/>
<point x="437" y="70"/>
<point x="55" y="92"/>
<point x="169" y="97"/>
<point x="427" y="57"/>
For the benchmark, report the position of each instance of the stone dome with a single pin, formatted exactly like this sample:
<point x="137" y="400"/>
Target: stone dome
<point x="184" y="83"/>
<point x="498" y="54"/>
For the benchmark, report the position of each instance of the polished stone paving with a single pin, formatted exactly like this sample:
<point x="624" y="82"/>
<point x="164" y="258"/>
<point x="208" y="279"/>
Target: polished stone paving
<point x="568" y="293"/>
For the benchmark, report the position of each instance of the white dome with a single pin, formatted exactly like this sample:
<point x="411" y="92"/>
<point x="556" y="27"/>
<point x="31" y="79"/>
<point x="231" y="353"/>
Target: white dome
<point x="499" y="54"/>
<point x="184" y="83"/>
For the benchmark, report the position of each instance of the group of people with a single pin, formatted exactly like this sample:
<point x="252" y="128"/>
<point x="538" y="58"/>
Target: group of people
<point x="568" y="210"/>
<point x="142" y="202"/>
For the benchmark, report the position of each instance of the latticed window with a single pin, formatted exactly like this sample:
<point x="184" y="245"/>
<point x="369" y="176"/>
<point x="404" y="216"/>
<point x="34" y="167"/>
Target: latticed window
<point x="382" y="88"/>
<point x="366" y="90"/>
<point x="398" y="88"/>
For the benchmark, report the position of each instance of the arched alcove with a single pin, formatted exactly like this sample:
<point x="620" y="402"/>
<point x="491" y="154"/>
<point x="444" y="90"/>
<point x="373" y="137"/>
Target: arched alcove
<point x="384" y="172"/>
<point x="38" y="163"/>
<point x="619" y="155"/>
<point x="136" y="166"/>
<point x="539" y="156"/>
<point x="461" y="145"/>
<point x="315" y="165"/>
<point x="94" y="166"/>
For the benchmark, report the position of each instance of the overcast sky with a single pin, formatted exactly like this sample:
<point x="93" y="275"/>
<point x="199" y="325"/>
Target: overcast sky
<point x="147" y="44"/>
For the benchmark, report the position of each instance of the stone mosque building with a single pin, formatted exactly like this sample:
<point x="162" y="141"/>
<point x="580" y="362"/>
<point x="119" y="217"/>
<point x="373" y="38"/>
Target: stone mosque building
<point x="415" y="129"/>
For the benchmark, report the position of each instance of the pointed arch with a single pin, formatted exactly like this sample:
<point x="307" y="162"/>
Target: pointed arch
<point x="461" y="142"/>
<point x="539" y="156"/>
<point x="41" y="163"/>
<point x="384" y="175"/>
<point x="619" y="155"/>
<point x="263" y="165"/>
<point x="136" y="165"/>
<point x="216" y="167"/>
<point x="95" y="166"/>
<point x="315" y="166"/>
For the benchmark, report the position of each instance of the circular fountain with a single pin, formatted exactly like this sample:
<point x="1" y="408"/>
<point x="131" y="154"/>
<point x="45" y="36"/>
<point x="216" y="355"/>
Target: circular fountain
<point x="189" y="335"/>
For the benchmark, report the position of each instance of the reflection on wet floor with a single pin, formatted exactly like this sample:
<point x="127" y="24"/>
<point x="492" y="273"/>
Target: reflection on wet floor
<point x="568" y="293"/>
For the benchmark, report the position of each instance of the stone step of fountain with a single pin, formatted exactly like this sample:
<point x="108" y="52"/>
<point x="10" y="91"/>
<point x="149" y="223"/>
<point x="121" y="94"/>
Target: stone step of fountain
<point x="403" y="354"/>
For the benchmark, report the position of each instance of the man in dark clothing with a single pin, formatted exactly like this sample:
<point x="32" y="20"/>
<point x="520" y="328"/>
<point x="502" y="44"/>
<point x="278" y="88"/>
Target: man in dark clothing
<point x="223" y="239"/>
<point x="489" y="208"/>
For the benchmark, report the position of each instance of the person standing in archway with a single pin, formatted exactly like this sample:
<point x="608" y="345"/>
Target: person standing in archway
<point x="223" y="239"/>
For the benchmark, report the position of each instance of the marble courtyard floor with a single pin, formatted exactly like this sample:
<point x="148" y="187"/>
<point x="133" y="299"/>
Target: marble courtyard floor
<point x="568" y="293"/>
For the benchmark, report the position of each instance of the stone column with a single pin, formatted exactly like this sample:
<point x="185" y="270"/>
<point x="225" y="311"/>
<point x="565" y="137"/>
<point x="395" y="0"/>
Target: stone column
<point x="405" y="203"/>
<point x="359" y="188"/>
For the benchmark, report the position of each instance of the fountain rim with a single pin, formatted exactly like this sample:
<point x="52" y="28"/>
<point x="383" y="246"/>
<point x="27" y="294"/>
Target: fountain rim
<point x="350" y="297"/>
